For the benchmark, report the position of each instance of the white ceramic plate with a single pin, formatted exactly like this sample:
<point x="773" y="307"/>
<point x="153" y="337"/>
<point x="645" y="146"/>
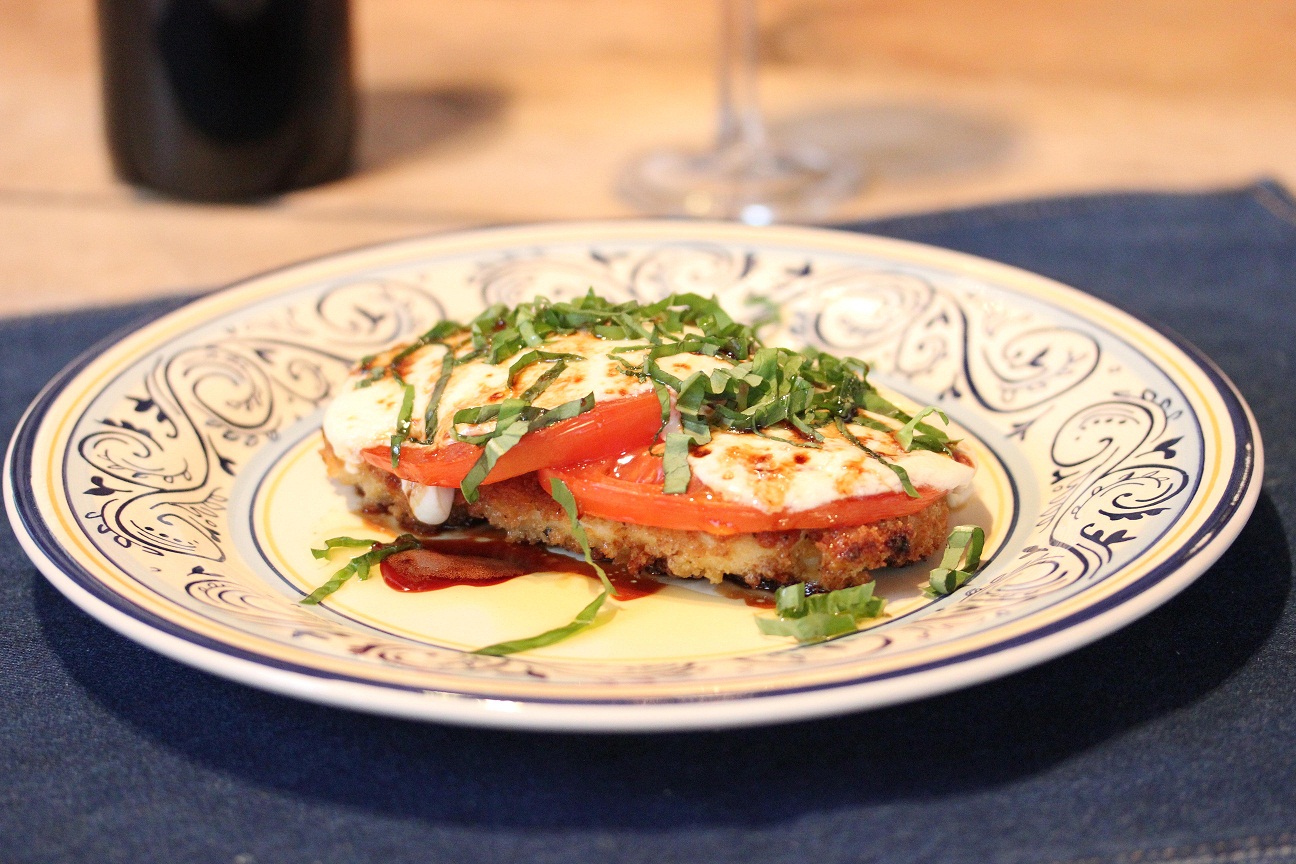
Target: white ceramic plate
<point x="168" y="483"/>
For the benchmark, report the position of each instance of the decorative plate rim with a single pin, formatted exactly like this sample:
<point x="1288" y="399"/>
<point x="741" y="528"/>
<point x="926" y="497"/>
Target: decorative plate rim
<point x="1189" y="559"/>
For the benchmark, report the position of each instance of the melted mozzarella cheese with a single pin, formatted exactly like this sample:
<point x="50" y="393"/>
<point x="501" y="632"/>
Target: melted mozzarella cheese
<point x="740" y="467"/>
<point x="429" y="504"/>
<point x="774" y="477"/>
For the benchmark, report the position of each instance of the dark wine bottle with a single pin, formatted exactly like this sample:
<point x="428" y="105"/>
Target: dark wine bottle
<point x="227" y="100"/>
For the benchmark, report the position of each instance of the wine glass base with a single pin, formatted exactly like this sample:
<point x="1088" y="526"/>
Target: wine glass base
<point x="758" y="187"/>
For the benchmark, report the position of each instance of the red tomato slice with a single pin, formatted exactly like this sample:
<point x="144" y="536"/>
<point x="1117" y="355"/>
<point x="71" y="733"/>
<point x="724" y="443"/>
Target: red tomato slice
<point x="610" y="428"/>
<point x="628" y="489"/>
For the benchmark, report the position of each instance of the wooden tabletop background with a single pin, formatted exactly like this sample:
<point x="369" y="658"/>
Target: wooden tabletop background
<point x="482" y="112"/>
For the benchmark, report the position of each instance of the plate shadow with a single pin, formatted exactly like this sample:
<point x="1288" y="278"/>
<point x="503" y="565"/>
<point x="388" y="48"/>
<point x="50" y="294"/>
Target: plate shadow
<point x="899" y="144"/>
<point x="401" y="124"/>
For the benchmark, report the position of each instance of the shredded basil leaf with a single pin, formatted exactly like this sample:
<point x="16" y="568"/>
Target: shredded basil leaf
<point x="514" y="418"/>
<point x="583" y="621"/>
<point x="438" y="333"/>
<point x="565" y="411"/>
<point x="506" y="435"/>
<point x="813" y="617"/>
<point x="586" y="618"/>
<point x="542" y="383"/>
<point x="360" y="565"/>
<point x="916" y="434"/>
<point x="340" y="542"/>
<point x="792" y="601"/>
<point x="675" y="463"/>
<point x="531" y="358"/>
<point x="664" y="400"/>
<point x="430" y="419"/>
<point x="811" y="628"/>
<point x="960" y="561"/>
<point x="559" y="492"/>
<point x="898" y="470"/>
<point x="402" y="423"/>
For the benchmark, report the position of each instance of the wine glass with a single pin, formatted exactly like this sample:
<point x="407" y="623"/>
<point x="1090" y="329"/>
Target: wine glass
<point x="744" y="175"/>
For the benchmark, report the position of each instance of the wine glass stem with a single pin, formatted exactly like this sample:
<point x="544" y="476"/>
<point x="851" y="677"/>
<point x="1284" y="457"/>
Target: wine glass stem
<point x="740" y="125"/>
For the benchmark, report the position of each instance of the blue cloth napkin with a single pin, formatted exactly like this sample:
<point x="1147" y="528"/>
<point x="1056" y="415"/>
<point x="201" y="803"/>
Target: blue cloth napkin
<point x="1171" y="740"/>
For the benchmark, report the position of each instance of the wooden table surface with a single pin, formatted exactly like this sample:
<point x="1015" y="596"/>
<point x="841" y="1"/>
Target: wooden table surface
<point x="497" y="111"/>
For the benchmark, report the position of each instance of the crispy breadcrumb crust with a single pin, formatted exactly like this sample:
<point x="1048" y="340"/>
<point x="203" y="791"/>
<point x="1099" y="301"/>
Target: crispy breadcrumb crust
<point x="831" y="558"/>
